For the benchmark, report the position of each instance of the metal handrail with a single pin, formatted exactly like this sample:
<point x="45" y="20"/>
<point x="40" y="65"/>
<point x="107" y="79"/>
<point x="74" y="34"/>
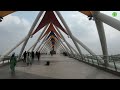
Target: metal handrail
<point x="113" y="61"/>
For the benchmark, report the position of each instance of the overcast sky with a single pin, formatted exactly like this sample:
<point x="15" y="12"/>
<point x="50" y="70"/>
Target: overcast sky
<point x="15" y="27"/>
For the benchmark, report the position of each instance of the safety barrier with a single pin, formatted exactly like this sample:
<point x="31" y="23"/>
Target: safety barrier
<point x="113" y="62"/>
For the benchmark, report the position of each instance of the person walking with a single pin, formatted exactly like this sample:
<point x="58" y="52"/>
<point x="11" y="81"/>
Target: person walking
<point x="32" y="56"/>
<point x="13" y="62"/>
<point x="31" y="60"/>
<point x="38" y="55"/>
<point x="51" y="52"/>
<point x="28" y="59"/>
<point x="24" y="54"/>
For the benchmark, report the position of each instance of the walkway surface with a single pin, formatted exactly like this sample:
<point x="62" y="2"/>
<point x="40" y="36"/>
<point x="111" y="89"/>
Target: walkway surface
<point x="61" y="67"/>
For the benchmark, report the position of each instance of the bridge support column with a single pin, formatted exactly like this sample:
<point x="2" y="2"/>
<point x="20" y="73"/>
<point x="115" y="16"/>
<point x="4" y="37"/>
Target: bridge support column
<point x="29" y="33"/>
<point x="74" y="50"/>
<point x="108" y="20"/>
<point x="39" y="37"/>
<point x="64" y="49"/>
<point x="45" y="49"/>
<point x="69" y="32"/>
<point x="84" y="46"/>
<point x="49" y="46"/>
<point x="38" y="47"/>
<point x="42" y="49"/>
<point x="41" y="44"/>
<point x="65" y="41"/>
<point x="102" y="37"/>
<point x="44" y="44"/>
<point x="30" y="48"/>
<point x="67" y="49"/>
<point x="58" y="46"/>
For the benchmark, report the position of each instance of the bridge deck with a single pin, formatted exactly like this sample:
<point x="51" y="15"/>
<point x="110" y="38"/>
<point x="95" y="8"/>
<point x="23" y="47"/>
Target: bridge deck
<point x="61" y="67"/>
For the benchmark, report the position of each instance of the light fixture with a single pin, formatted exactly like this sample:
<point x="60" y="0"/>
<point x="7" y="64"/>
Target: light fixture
<point x="1" y="19"/>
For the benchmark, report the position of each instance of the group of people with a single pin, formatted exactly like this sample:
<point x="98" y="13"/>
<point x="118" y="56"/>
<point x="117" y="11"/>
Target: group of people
<point x="29" y="57"/>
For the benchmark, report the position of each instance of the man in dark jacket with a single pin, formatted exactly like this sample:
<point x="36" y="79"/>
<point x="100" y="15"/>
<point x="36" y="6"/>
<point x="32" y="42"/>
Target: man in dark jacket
<point x="32" y="56"/>
<point x="24" y="54"/>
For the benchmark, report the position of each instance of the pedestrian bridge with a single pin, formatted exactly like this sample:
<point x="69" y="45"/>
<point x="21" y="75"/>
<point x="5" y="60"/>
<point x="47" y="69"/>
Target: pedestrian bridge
<point x="68" y="62"/>
<point x="61" y="67"/>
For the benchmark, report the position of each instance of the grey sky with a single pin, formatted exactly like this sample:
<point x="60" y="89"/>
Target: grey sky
<point x="16" y="26"/>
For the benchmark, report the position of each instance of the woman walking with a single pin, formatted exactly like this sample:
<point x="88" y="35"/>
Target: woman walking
<point x="13" y="63"/>
<point x="29" y="59"/>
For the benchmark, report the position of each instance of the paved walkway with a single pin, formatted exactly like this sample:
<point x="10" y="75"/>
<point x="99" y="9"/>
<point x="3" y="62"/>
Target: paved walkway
<point x="61" y="67"/>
